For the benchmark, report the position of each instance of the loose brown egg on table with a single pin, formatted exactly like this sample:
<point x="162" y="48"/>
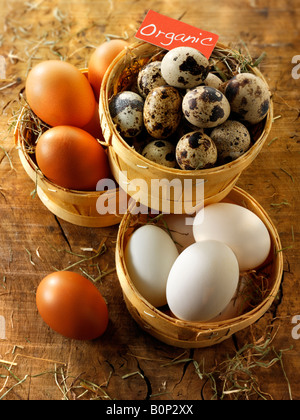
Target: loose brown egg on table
<point x="71" y="158"/>
<point x="205" y="107"/>
<point x="232" y="140"/>
<point x="162" y="111"/>
<point x="72" y="306"/>
<point x="59" y="94"/>
<point x="196" y="151"/>
<point x="249" y="97"/>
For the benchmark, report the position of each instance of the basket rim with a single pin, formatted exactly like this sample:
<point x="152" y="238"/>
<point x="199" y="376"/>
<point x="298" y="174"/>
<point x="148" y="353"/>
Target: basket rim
<point x="104" y="99"/>
<point x="204" y="327"/>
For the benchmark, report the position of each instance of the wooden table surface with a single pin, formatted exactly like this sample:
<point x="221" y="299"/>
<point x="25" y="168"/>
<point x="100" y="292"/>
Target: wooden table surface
<point x="127" y="363"/>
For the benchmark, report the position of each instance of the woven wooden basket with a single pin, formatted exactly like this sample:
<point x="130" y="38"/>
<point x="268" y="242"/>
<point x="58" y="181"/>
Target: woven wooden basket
<point x="163" y="326"/>
<point x="123" y="158"/>
<point x="76" y="207"/>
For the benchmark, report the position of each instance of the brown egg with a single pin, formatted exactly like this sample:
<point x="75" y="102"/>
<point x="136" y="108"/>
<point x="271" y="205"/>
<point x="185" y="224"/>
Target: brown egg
<point x="93" y="127"/>
<point x="101" y="59"/>
<point x="59" y="94"/>
<point x="72" y="306"/>
<point x="71" y="158"/>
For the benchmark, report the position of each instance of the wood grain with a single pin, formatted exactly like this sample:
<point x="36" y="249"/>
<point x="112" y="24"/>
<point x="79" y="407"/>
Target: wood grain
<point x="127" y="363"/>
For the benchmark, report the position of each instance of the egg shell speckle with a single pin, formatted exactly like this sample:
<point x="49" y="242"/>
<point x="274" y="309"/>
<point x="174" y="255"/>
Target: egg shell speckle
<point x="149" y="78"/>
<point x="196" y="151"/>
<point x="249" y="97"/>
<point x="205" y="107"/>
<point x="126" y="110"/>
<point x="184" y="67"/>
<point x="161" y="152"/>
<point x="162" y="111"/>
<point x="232" y="140"/>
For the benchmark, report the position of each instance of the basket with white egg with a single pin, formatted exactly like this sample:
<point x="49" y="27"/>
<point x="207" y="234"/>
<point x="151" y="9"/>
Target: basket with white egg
<point x="74" y="206"/>
<point x="128" y="146"/>
<point x="197" y="294"/>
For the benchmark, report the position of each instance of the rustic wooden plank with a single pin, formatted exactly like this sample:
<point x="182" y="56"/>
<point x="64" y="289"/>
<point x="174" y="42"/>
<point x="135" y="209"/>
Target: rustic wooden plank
<point x="129" y="363"/>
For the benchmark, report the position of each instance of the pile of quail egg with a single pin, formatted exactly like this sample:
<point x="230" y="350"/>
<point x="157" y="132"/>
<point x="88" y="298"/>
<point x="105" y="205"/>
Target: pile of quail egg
<point x="181" y="115"/>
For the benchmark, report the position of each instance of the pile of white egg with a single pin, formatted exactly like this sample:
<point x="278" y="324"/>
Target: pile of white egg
<point x="183" y="116"/>
<point x="196" y="270"/>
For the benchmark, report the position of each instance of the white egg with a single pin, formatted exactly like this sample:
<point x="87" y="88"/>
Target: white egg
<point x="149" y="255"/>
<point x="237" y="227"/>
<point x="202" y="281"/>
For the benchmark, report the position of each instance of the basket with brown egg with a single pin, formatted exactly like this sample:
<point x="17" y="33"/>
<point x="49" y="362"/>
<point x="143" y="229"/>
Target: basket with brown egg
<point x="59" y="141"/>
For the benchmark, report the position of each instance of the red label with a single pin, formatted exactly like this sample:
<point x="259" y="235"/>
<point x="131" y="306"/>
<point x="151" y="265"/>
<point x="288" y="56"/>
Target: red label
<point x="169" y="33"/>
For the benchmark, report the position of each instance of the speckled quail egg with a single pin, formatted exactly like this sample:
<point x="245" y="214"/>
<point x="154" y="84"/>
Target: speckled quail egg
<point x="249" y="97"/>
<point x="205" y="107"/>
<point x="232" y="140"/>
<point x="196" y="151"/>
<point x="213" y="81"/>
<point x="149" y="78"/>
<point x="161" y="152"/>
<point x="184" y="67"/>
<point x="126" y="110"/>
<point x="162" y="111"/>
